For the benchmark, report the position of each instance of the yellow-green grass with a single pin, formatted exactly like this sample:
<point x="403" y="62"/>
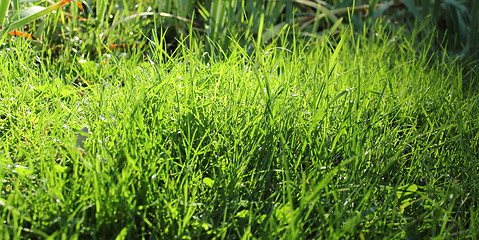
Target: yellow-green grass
<point x="368" y="136"/>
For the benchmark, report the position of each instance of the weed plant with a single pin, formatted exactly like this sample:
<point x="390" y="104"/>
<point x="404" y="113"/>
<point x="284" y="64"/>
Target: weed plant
<point x="368" y="137"/>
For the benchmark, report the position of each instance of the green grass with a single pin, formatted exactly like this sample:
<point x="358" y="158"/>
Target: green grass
<point x="362" y="138"/>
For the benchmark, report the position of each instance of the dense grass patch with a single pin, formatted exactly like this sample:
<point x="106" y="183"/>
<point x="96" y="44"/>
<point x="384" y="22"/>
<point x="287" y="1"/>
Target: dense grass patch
<point x="366" y="137"/>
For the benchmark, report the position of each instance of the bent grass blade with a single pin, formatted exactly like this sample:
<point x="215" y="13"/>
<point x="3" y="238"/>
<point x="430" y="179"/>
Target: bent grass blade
<point x="24" y="21"/>
<point x="3" y="11"/>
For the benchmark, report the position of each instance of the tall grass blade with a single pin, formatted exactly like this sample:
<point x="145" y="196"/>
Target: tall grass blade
<point x="3" y="11"/>
<point x="24" y="21"/>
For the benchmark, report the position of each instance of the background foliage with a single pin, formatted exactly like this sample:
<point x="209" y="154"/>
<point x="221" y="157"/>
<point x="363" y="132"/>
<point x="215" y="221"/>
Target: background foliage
<point x="453" y="22"/>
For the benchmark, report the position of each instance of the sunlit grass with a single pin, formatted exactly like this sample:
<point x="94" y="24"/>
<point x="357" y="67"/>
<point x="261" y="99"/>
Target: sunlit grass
<point x="368" y="138"/>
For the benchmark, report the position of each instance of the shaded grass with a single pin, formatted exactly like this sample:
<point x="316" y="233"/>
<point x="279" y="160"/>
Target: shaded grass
<point x="367" y="137"/>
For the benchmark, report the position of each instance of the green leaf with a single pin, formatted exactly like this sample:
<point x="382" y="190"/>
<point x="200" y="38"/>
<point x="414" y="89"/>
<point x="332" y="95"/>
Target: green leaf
<point x="30" y="11"/>
<point x="67" y="91"/>
<point x="59" y="168"/>
<point x="23" y="171"/>
<point x="405" y="195"/>
<point x="341" y="94"/>
<point x="334" y="57"/>
<point x="412" y="8"/>
<point x="284" y="213"/>
<point x="33" y="16"/>
<point x="406" y="190"/>
<point x="122" y="234"/>
<point x="242" y="214"/>
<point x="3" y="10"/>
<point x="208" y="182"/>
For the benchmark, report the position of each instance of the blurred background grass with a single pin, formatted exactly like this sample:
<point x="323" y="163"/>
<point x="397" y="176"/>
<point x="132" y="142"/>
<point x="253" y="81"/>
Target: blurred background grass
<point x="90" y="23"/>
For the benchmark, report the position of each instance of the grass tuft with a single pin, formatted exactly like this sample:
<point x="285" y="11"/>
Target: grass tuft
<point x="366" y="137"/>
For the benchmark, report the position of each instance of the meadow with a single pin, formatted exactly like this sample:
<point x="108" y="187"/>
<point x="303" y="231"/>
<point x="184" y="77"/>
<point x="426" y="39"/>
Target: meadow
<point x="351" y="135"/>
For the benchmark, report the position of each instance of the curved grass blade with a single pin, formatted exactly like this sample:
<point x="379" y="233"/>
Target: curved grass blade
<point x="3" y="11"/>
<point x="24" y="21"/>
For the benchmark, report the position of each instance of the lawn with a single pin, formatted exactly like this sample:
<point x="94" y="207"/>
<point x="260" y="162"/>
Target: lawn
<point x="348" y="136"/>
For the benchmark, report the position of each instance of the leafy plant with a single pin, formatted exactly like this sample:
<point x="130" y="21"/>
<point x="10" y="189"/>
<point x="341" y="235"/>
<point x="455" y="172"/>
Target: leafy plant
<point x="24" y="16"/>
<point x="455" y="20"/>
